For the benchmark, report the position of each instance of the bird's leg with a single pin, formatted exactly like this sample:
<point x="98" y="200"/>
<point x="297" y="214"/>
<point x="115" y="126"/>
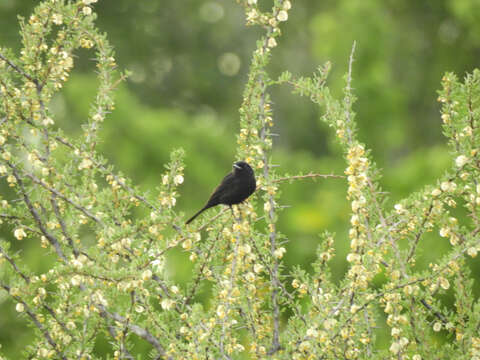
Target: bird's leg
<point x="239" y="207"/>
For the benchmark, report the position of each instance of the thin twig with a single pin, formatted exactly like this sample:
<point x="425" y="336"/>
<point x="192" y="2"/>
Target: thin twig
<point x="420" y="233"/>
<point x="233" y="271"/>
<point x="100" y="166"/>
<point x="62" y="224"/>
<point x="51" y="239"/>
<point x="137" y="330"/>
<point x="14" y="265"/>
<point x="436" y="313"/>
<point x="348" y="95"/>
<point x="299" y="177"/>
<point x="18" y="69"/>
<point x="398" y="287"/>
<point x="196" y="282"/>
<point x="271" y="213"/>
<point x="38" y="324"/>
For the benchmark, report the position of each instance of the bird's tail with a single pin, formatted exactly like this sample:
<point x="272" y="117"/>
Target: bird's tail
<point x="198" y="213"/>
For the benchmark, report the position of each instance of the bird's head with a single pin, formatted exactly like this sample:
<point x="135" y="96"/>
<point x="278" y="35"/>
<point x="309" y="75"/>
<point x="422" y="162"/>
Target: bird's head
<point x="241" y="167"/>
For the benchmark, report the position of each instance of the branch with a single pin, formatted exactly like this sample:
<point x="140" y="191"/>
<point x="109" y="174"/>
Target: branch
<point x="124" y="352"/>
<point x="299" y="177"/>
<point x="37" y="323"/>
<point x="63" y="197"/>
<point x="18" y="70"/>
<point x="14" y="265"/>
<point x="56" y="210"/>
<point x="348" y="95"/>
<point x="139" y="331"/>
<point x="436" y="313"/>
<point x="401" y="286"/>
<point x="420" y="233"/>
<point x="51" y="239"/>
<point x="233" y="271"/>
<point x="127" y="188"/>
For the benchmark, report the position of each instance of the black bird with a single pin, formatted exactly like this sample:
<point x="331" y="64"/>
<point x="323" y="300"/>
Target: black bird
<point x="234" y="188"/>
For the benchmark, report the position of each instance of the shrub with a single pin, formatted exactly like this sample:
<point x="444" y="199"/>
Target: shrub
<point x="110" y="242"/>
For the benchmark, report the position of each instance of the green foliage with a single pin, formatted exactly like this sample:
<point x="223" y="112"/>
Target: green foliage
<point x="115" y="283"/>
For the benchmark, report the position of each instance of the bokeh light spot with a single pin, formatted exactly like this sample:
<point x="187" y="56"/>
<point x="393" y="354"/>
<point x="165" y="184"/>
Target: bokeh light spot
<point x="211" y="12"/>
<point x="229" y="64"/>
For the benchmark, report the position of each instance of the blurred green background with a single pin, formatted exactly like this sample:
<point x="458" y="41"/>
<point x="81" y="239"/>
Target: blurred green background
<point x="189" y="61"/>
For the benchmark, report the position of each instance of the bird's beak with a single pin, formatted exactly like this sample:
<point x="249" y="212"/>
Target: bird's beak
<point x="236" y="166"/>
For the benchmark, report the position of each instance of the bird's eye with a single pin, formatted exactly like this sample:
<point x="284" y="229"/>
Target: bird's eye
<point x="240" y="165"/>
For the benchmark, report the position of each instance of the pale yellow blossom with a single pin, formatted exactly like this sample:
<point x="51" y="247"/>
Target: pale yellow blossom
<point x="19" y="233"/>
<point x="461" y="160"/>
<point x="147" y="274"/>
<point x="57" y="19"/>
<point x="87" y="10"/>
<point x="85" y="164"/>
<point x="271" y="43"/>
<point x="436" y="192"/>
<point x="278" y="253"/>
<point x="282" y="15"/>
<point x="178" y="179"/>
<point x="472" y="251"/>
<point x="167" y="304"/>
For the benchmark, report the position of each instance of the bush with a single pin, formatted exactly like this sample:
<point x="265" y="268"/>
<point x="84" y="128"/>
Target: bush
<point x="108" y="279"/>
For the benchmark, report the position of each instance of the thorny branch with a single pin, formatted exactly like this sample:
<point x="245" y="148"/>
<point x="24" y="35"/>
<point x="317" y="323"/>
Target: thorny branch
<point x="137" y="330"/>
<point x="18" y="69"/>
<point x="38" y="324"/>
<point x="52" y="239"/>
<point x="299" y="177"/>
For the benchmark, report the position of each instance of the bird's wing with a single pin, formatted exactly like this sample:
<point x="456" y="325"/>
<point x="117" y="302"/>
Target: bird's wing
<point x="219" y="191"/>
